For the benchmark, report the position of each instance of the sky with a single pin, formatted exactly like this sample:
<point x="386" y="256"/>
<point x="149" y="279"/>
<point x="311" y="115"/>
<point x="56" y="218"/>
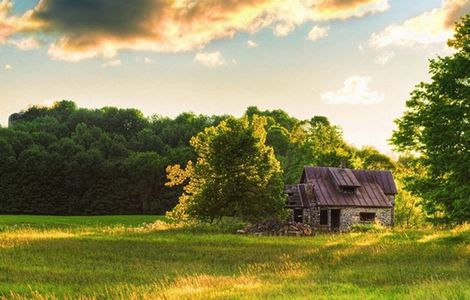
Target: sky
<point x="353" y="61"/>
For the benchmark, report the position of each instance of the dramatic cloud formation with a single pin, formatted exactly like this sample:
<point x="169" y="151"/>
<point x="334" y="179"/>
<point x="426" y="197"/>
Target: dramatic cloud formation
<point x="86" y="29"/>
<point x="435" y="26"/>
<point x="317" y="33"/>
<point x="210" y="59"/>
<point x="355" y="91"/>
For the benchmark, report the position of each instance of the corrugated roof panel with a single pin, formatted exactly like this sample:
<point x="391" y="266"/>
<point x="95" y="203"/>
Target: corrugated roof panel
<point x="369" y="193"/>
<point x="303" y="195"/>
<point x="344" y="177"/>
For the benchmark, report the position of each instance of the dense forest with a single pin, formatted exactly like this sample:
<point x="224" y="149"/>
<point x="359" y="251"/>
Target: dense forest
<point x="75" y="161"/>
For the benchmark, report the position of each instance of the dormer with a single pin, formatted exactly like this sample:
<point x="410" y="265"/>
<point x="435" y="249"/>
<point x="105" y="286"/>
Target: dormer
<point x="344" y="180"/>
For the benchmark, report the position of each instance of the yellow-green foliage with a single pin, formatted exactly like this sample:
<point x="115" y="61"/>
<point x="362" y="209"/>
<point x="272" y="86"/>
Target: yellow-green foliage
<point x="235" y="173"/>
<point x="161" y="260"/>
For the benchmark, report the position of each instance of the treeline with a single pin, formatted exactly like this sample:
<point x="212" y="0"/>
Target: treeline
<point x="69" y="160"/>
<point x="75" y="161"/>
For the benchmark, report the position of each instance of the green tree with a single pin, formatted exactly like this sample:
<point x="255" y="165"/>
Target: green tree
<point x="315" y="143"/>
<point x="408" y="209"/>
<point x="145" y="173"/>
<point x="235" y="173"/>
<point x="369" y="158"/>
<point x="436" y="126"/>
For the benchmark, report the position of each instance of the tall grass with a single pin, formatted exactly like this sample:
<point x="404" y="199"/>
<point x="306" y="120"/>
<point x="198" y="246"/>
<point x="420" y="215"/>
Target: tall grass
<point x="170" y="261"/>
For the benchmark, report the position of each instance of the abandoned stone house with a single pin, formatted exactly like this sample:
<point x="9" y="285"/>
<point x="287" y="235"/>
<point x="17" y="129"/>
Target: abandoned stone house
<point x="335" y="198"/>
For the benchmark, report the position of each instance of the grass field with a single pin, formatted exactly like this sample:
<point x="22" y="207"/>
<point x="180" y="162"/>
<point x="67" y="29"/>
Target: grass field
<point x="117" y="257"/>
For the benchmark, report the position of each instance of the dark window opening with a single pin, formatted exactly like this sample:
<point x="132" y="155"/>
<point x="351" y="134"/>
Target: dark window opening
<point x="348" y="189"/>
<point x="298" y="215"/>
<point x="335" y="219"/>
<point x="323" y="217"/>
<point x="367" y="217"/>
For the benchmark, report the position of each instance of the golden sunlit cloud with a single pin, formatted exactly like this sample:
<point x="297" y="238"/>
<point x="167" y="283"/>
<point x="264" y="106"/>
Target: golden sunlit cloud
<point x="355" y="91"/>
<point x="317" y="33"/>
<point x="6" y="28"/>
<point x="102" y="28"/>
<point x="435" y="26"/>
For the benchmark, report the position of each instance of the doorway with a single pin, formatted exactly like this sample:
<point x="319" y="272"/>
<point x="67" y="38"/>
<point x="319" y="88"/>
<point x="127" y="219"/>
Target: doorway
<point x="335" y="219"/>
<point x="298" y="215"/>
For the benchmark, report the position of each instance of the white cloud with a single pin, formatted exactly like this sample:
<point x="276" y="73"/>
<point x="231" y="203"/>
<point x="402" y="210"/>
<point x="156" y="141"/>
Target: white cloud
<point x="355" y="91"/>
<point x="317" y="33"/>
<point x="434" y="26"/>
<point x="210" y="59"/>
<point x="30" y="43"/>
<point x="251" y="44"/>
<point x="7" y="67"/>
<point x="283" y="29"/>
<point x="113" y="63"/>
<point x="149" y="61"/>
<point x="385" y="57"/>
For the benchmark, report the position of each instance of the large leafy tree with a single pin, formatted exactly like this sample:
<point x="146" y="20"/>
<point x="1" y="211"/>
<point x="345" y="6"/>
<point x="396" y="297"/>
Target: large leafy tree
<point x="235" y="174"/>
<point x="316" y="143"/>
<point x="436" y="126"/>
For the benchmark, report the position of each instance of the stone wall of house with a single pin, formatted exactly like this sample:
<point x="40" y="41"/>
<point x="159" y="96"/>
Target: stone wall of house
<point x="348" y="216"/>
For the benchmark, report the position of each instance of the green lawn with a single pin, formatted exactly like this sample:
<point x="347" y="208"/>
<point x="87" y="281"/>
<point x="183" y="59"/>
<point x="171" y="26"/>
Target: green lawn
<point x="116" y="258"/>
<point x="72" y="221"/>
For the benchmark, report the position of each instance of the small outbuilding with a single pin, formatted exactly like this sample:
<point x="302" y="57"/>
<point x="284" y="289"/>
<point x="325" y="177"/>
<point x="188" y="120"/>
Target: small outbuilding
<point x="336" y="198"/>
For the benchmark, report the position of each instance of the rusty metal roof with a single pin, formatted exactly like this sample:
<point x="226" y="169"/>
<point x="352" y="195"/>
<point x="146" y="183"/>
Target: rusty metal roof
<point x="343" y="177"/>
<point x="371" y="191"/>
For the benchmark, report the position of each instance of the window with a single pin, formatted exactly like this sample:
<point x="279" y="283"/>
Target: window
<point x="367" y="217"/>
<point x="348" y="189"/>
<point x="323" y="217"/>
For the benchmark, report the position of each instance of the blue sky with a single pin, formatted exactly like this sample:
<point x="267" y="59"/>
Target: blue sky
<point x="358" y="72"/>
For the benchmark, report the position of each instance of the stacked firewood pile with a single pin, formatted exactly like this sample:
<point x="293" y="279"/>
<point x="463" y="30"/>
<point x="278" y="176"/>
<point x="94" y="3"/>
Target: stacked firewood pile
<point x="278" y="228"/>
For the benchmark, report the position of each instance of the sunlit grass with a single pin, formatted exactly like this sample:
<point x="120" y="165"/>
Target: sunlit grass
<point x="132" y="258"/>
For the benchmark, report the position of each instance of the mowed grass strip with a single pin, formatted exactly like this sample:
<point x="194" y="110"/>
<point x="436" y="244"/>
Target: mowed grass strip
<point x="119" y="259"/>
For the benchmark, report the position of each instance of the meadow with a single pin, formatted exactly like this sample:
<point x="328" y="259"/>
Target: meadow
<point x="146" y="257"/>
